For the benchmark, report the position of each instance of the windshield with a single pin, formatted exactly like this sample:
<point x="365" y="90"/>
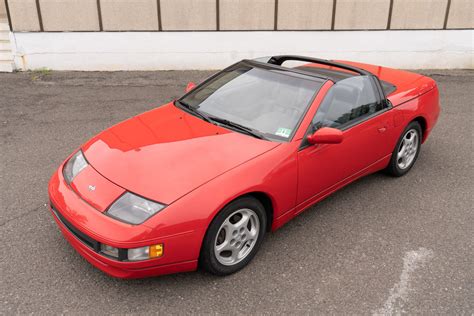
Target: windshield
<point x="268" y="101"/>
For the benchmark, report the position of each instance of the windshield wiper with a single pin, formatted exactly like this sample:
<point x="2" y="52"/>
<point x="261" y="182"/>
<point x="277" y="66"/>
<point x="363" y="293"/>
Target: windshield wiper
<point x="237" y="126"/>
<point x="212" y="119"/>
<point x="194" y="111"/>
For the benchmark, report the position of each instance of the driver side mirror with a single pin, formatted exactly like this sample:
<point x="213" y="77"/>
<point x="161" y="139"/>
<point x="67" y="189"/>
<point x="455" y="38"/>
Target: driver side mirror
<point x="191" y="85"/>
<point x="326" y="135"/>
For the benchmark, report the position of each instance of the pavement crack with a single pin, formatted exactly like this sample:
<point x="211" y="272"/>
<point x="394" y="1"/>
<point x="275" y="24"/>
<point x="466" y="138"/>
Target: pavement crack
<point x="21" y="215"/>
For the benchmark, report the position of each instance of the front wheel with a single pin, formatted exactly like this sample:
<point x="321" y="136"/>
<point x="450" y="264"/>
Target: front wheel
<point x="234" y="236"/>
<point x="406" y="151"/>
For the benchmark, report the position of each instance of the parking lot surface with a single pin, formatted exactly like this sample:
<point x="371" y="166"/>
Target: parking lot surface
<point x="381" y="245"/>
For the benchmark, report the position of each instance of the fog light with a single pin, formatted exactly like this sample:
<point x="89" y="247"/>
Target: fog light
<point x="109" y="250"/>
<point x="143" y="253"/>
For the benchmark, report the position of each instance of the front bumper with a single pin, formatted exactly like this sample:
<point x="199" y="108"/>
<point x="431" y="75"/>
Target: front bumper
<point x="85" y="228"/>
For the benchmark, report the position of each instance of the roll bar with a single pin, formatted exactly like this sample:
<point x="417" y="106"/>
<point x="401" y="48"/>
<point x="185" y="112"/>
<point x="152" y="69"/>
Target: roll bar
<point x="278" y="60"/>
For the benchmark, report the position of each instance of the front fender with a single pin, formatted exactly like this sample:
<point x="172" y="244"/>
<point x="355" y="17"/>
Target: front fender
<point x="273" y="173"/>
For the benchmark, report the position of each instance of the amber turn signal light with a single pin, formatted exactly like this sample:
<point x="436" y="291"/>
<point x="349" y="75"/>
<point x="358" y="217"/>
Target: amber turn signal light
<point x="156" y="251"/>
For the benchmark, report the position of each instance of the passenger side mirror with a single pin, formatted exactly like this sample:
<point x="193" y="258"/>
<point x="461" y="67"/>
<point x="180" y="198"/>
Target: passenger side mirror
<point x="191" y="85"/>
<point x="326" y="135"/>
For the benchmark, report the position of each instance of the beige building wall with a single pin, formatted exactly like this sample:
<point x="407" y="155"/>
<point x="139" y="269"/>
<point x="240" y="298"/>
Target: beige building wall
<point x="188" y="15"/>
<point x="247" y="14"/>
<point x="362" y="14"/>
<point x="129" y="15"/>
<point x="69" y="15"/>
<point x="305" y="14"/>
<point x="418" y="14"/>
<point x="24" y="15"/>
<point x="3" y="10"/>
<point x="461" y="14"/>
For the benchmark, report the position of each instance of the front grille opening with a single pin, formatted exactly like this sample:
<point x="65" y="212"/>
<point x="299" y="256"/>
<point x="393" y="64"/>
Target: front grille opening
<point x="86" y="240"/>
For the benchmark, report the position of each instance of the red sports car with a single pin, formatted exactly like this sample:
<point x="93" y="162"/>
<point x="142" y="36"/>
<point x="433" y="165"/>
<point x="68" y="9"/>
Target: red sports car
<point x="199" y="181"/>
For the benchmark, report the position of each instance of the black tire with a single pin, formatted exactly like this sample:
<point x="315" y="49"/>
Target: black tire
<point x="393" y="168"/>
<point x="208" y="259"/>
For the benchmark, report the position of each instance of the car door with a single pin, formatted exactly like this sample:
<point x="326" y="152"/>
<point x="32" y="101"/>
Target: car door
<point x="357" y="107"/>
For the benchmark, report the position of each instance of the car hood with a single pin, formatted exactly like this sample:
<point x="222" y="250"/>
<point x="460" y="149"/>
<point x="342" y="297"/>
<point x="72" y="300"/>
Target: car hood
<point x="166" y="153"/>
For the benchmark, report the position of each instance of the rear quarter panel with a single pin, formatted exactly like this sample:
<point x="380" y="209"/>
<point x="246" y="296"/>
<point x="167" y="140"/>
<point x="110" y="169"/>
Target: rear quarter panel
<point x="424" y="107"/>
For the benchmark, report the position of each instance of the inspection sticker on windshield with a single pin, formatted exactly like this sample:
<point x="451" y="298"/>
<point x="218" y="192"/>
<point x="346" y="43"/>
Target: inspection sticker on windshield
<point x="283" y="132"/>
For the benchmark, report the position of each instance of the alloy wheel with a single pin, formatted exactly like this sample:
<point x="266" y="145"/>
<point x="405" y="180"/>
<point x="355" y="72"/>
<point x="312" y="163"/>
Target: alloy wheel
<point x="236" y="237"/>
<point x="407" y="149"/>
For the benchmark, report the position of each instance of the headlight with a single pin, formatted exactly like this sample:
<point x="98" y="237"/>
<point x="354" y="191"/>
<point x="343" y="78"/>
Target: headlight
<point x="74" y="166"/>
<point x="133" y="209"/>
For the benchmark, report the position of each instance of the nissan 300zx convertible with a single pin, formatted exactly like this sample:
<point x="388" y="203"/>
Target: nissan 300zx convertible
<point x="199" y="181"/>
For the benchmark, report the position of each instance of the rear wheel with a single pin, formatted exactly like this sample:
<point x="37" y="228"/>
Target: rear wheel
<point x="234" y="236"/>
<point x="407" y="150"/>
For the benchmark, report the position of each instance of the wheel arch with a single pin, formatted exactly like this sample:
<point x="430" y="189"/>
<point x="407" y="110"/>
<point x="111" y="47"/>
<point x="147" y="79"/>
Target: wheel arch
<point x="260" y="196"/>
<point x="424" y="126"/>
<point x="267" y="203"/>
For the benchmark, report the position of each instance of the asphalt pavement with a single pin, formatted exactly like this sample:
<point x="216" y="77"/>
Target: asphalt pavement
<point x="381" y="245"/>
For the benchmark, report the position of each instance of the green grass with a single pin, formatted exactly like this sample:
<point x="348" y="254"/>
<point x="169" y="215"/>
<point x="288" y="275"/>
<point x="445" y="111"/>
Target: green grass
<point x="38" y="74"/>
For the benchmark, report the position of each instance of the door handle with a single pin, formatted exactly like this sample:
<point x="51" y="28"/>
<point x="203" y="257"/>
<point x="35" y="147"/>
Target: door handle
<point x="382" y="129"/>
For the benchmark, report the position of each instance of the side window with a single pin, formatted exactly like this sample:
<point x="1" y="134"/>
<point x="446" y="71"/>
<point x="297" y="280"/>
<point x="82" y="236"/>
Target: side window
<point x="348" y="101"/>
